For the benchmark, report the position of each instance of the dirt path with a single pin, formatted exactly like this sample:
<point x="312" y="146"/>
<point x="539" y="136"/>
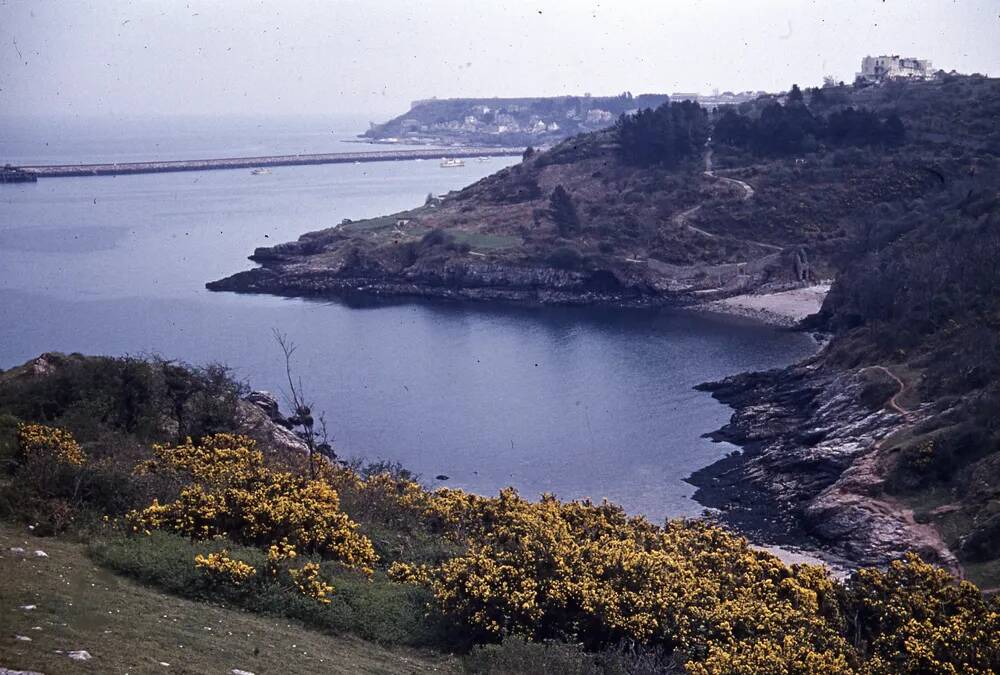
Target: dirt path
<point x="746" y="187"/>
<point x="683" y="217"/>
<point x="894" y="402"/>
<point x="925" y="535"/>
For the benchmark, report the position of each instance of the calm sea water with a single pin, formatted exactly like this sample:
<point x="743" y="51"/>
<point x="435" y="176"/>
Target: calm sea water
<point x="580" y="402"/>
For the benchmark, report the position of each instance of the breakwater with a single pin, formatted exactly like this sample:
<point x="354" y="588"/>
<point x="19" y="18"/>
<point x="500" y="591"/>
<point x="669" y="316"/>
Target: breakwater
<point x="121" y="168"/>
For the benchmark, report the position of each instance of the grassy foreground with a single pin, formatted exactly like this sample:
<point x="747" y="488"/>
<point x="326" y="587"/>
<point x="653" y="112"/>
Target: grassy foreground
<point x="135" y="629"/>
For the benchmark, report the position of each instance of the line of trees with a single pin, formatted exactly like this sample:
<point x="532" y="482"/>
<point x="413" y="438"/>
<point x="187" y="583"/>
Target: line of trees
<point x="664" y="136"/>
<point x="793" y="129"/>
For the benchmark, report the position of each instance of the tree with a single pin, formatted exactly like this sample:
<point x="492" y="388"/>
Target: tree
<point x="795" y="95"/>
<point x="666" y="136"/>
<point x="315" y="439"/>
<point x="893" y="131"/>
<point x="732" y="129"/>
<point x="563" y="212"/>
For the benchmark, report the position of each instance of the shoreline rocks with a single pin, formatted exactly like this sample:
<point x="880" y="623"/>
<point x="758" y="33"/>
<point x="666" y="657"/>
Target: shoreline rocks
<point x="807" y="474"/>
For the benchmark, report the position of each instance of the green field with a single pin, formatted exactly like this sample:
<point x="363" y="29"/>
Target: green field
<point x="128" y="628"/>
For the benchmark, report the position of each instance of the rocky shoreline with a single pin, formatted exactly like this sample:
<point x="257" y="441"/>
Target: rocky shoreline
<point x="807" y="472"/>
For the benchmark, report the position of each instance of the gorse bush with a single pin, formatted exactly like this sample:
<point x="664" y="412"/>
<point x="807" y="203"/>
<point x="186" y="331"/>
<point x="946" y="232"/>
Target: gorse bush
<point x="221" y="567"/>
<point x="233" y="493"/>
<point x="635" y="597"/>
<point x="584" y="572"/>
<point x="40" y="443"/>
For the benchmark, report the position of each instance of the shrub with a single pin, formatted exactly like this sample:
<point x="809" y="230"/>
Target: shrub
<point x="221" y="568"/>
<point x="39" y="443"/>
<point x="231" y="492"/>
<point x="915" y="618"/>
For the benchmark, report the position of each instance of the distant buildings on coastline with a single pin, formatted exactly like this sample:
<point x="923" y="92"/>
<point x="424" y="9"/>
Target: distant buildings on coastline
<point x="878" y="68"/>
<point x="518" y="122"/>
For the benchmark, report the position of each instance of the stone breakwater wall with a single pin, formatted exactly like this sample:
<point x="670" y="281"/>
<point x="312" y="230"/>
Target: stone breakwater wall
<point x="124" y="168"/>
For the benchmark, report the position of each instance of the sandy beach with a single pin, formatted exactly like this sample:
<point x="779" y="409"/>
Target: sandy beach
<point x="783" y="308"/>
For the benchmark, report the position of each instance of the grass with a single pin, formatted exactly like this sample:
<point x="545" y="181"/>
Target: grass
<point x="986" y="575"/>
<point x="477" y="240"/>
<point x="370" y="224"/>
<point x="130" y="628"/>
<point x="375" y="610"/>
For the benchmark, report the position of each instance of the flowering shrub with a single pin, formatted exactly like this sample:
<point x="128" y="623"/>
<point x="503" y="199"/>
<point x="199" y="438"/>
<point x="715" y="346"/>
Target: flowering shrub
<point x="309" y="582"/>
<point x="278" y="554"/>
<point x="589" y="573"/>
<point x="233" y="493"/>
<point x="914" y="618"/>
<point x="220" y="567"/>
<point x="40" y="442"/>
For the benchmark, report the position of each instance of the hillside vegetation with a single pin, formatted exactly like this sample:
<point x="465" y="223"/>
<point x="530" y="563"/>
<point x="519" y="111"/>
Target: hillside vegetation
<point x="580" y="587"/>
<point x="633" y="214"/>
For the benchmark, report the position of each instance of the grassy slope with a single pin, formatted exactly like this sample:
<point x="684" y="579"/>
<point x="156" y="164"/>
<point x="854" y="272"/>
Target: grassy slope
<point x="130" y="628"/>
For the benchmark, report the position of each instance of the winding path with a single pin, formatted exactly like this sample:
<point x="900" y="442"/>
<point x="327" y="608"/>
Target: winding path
<point x="894" y="401"/>
<point x="683" y="217"/>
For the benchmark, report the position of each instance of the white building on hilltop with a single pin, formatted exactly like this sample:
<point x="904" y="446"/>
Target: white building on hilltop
<point x="875" y="68"/>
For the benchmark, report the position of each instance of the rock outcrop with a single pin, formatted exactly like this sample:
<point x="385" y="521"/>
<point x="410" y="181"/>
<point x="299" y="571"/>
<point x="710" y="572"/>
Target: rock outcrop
<point x="810" y="466"/>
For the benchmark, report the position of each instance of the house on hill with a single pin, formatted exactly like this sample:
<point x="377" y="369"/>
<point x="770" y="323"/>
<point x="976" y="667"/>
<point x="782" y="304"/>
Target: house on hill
<point x="878" y="68"/>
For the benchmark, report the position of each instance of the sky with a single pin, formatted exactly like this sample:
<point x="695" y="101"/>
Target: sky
<point x="111" y="58"/>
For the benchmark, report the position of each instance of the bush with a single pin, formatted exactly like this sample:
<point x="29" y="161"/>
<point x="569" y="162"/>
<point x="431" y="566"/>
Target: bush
<point x="229" y="491"/>
<point x="8" y="442"/>
<point x="517" y="655"/>
<point x="148" y="399"/>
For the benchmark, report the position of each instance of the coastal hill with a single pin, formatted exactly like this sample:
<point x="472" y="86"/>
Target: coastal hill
<point x="521" y="122"/>
<point x="885" y="441"/>
<point x="618" y="216"/>
<point x="515" y="122"/>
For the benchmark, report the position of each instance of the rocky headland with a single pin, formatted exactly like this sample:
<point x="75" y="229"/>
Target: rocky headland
<point x="814" y="442"/>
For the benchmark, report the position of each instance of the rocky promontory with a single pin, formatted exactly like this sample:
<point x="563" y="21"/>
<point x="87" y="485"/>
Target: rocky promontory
<point x="815" y="440"/>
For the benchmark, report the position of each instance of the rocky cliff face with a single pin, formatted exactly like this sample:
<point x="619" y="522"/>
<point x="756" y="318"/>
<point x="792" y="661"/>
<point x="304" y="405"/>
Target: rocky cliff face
<point x="814" y="440"/>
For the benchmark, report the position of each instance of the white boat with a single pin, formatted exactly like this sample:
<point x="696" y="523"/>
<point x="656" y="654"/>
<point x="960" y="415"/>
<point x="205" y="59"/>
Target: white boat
<point x="260" y="171"/>
<point x="450" y="163"/>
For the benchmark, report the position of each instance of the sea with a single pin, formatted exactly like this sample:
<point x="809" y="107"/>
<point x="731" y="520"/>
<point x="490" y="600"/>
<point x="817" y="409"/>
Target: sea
<point x="585" y="403"/>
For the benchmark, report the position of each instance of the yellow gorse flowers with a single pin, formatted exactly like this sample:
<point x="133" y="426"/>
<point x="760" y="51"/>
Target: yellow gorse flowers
<point x="574" y="571"/>
<point x="233" y="493"/>
<point x="588" y="572"/>
<point x="221" y="567"/>
<point x="37" y="441"/>
<point x="309" y="582"/>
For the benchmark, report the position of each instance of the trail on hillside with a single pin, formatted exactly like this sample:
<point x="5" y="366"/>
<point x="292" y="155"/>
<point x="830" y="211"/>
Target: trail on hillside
<point x="894" y="401"/>
<point x="683" y="218"/>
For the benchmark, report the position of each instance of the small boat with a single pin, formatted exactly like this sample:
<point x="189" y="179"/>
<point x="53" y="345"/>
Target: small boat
<point x="484" y="159"/>
<point x="451" y="163"/>
<point x="260" y="171"/>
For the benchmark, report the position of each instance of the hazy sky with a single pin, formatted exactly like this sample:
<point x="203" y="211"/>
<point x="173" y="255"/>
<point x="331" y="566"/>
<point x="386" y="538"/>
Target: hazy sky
<point x="113" y="57"/>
